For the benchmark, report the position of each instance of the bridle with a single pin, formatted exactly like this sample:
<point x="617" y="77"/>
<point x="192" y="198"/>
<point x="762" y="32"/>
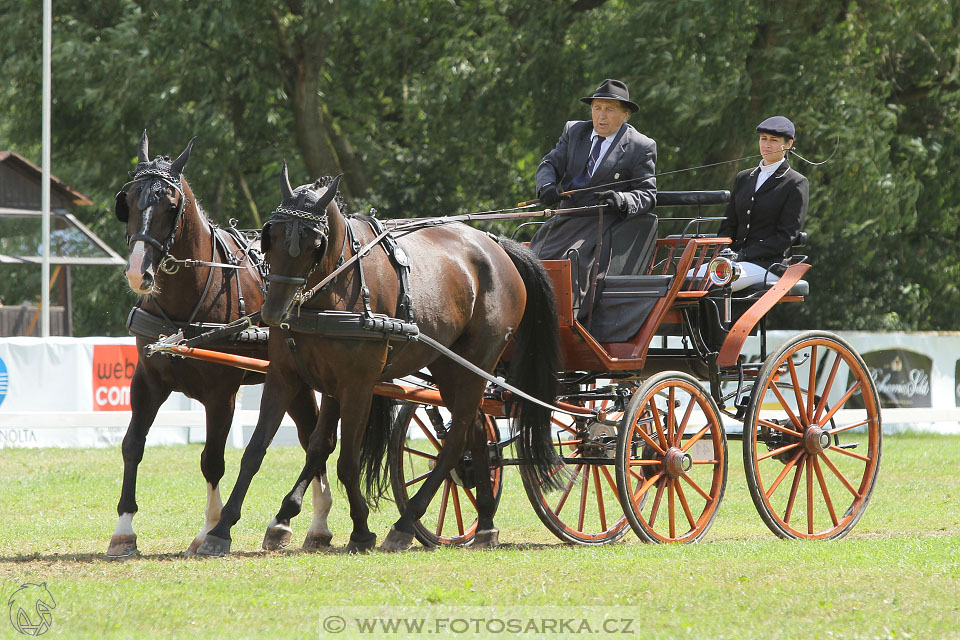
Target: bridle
<point x="154" y="181"/>
<point x="292" y="219"/>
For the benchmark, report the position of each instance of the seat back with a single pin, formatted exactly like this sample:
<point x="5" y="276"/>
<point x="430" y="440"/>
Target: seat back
<point x="633" y="245"/>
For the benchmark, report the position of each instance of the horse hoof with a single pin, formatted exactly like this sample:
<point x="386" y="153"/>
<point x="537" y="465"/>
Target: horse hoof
<point x="214" y="547"/>
<point x="192" y="549"/>
<point x="122" y="546"/>
<point x="362" y="546"/>
<point x="277" y="537"/>
<point x="317" y="541"/>
<point x="397" y="540"/>
<point x="486" y="539"/>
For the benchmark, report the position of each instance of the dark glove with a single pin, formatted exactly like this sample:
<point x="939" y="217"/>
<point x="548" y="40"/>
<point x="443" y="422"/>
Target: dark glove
<point x="550" y="195"/>
<point x="614" y="200"/>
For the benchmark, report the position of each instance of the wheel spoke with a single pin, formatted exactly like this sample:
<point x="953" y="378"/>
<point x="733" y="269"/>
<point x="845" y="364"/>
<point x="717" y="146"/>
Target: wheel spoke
<point x="583" y="499"/>
<point x="422" y="454"/>
<point x="683" y="423"/>
<point x="671" y="509"/>
<point x="824" y="491"/>
<point x="419" y="478"/>
<point x="793" y="492"/>
<point x="774" y="452"/>
<point x="836" y="407"/>
<point x="812" y="381"/>
<point x="696" y="487"/>
<point x="656" y="423"/>
<point x="470" y="497"/>
<point x="692" y="441"/>
<point x="567" y="443"/>
<point x="656" y="501"/>
<point x="783" y="474"/>
<point x="827" y="389"/>
<point x="671" y="415"/>
<point x="569" y="428"/>
<point x="786" y="407"/>
<point x="443" y="506"/>
<point x="847" y="427"/>
<point x="798" y="392"/>
<point x="456" y="509"/>
<point x="566" y="491"/>
<point x="598" y="489"/>
<point x="610" y="481"/>
<point x="809" y="474"/>
<point x="686" y="507"/>
<point x="649" y="440"/>
<point x="646" y="486"/>
<point x="827" y="461"/>
<point x="427" y="432"/>
<point x="847" y="452"/>
<point x="778" y="427"/>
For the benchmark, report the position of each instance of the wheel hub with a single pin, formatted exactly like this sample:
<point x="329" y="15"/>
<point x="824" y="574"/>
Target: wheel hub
<point x="600" y="441"/>
<point x="677" y="462"/>
<point x="815" y="440"/>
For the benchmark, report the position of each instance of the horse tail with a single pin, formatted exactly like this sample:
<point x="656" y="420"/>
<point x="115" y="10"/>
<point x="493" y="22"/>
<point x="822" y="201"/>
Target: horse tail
<point x="535" y="365"/>
<point x="373" y="449"/>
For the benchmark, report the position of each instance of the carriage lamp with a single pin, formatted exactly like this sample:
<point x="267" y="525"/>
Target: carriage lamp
<point x="723" y="271"/>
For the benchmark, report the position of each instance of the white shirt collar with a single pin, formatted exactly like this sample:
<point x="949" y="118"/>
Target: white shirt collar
<point x="770" y="168"/>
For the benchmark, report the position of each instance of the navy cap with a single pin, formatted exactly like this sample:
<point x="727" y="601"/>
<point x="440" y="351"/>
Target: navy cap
<point x="778" y="126"/>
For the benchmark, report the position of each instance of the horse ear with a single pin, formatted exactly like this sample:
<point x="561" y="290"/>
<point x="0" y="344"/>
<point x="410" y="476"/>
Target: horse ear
<point x="120" y="207"/>
<point x="285" y="189"/>
<point x="328" y="196"/>
<point x="177" y="167"/>
<point x="143" y="152"/>
<point x="265" y="238"/>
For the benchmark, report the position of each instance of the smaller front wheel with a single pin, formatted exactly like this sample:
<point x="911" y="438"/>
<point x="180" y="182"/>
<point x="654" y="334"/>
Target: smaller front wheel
<point x="451" y="518"/>
<point x="671" y="460"/>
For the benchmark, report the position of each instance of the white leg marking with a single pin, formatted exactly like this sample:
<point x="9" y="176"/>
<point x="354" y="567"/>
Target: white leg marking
<point x="322" y="501"/>
<point x="211" y="515"/>
<point x="124" y="525"/>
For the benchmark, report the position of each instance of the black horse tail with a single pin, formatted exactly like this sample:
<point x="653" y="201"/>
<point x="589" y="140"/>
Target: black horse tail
<point x="534" y="367"/>
<point x="373" y="449"/>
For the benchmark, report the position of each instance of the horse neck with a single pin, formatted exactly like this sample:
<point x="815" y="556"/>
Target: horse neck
<point x="338" y="241"/>
<point x="196" y="233"/>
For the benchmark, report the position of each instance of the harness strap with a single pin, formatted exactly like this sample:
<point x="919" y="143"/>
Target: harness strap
<point x="401" y="264"/>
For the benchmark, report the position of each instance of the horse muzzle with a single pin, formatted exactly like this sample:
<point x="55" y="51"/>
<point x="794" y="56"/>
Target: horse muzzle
<point x="281" y="294"/>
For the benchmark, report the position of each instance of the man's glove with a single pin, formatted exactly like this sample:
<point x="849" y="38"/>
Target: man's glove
<point x="550" y="195"/>
<point x="614" y="200"/>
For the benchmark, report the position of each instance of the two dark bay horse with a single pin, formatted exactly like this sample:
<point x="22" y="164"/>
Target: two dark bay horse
<point x="165" y="224"/>
<point x="467" y="290"/>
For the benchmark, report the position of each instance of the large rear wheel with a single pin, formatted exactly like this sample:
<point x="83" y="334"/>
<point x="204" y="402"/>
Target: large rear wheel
<point x="451" y="518"/>
<point x="586" y="509"/>
<point x="671" y="460"/>
<point x="811" y="438"/>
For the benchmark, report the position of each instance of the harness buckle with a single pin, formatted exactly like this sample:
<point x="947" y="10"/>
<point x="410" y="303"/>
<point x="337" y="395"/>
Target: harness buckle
<point x="169" y="265"/>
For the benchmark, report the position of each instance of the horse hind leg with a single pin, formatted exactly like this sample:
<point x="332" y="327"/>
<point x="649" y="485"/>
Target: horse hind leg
<point x="487" y="535"/>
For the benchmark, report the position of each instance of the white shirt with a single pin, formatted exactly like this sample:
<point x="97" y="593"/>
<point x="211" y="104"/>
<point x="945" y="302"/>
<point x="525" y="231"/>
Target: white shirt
<point x="766" y="170"/>
<point x="604" y="146"/>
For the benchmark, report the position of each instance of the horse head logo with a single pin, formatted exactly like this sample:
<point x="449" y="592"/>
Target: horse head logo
<point x="30" y="609"/>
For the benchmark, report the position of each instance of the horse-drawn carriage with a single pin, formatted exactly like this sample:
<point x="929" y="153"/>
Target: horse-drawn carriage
<point x="638" y="434"/>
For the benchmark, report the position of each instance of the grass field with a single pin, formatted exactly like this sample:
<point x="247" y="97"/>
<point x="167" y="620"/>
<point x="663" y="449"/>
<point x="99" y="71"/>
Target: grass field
<point x="896" y="576"/>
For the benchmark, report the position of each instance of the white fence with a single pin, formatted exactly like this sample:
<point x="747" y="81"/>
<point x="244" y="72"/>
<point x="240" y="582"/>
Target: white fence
<point x="74" y="392"/>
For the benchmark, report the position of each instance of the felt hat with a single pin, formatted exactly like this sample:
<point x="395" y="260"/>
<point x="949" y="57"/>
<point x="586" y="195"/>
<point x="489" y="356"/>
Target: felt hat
<point x="613" y="90"/>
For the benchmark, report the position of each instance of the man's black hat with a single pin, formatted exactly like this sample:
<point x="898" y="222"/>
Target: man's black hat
<point x="613" y="90"/>
<point x="778" y="126"/>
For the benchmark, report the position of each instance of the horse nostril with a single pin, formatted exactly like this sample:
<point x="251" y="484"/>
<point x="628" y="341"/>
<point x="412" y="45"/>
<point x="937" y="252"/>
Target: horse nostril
<point x="147" y="280"/>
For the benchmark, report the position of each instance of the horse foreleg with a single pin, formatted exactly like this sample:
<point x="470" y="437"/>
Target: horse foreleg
<point x="318" y="447"/>
<point x="276" y="398"/>
<point x="219" y="415"/>
<point x="145" y="401"/>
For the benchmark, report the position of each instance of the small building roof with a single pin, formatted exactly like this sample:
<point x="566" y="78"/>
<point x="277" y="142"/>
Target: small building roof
<point x="17" y="161"/>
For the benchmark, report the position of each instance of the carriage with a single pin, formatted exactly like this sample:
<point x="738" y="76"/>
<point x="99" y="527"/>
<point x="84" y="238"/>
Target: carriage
<point x="639" y="432"/>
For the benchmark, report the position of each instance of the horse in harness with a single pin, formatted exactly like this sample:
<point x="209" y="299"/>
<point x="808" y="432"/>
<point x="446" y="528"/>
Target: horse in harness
<point x="470" y="293"/>
<point x="217" y="278"/>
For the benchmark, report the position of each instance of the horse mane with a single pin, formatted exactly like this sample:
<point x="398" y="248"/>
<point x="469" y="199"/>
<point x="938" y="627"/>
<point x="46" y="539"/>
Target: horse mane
<point x="325" y="181"/>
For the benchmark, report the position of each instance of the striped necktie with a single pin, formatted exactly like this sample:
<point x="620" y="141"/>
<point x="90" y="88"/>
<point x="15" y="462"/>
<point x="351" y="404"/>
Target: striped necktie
<point x="594" y="154"/>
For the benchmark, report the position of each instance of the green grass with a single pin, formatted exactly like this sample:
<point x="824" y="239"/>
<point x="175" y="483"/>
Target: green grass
<point x="896" y="576"/>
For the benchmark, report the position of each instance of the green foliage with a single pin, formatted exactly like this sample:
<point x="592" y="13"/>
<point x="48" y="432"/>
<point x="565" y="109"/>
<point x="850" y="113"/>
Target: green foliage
<point x="444" y="107"/>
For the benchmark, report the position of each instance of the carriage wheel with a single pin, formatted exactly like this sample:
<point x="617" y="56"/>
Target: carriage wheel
<point x="671" y="460"/>
<point x="811" y="444"/>
<point x="451" y="518"/>
<point x="585" y="510"/>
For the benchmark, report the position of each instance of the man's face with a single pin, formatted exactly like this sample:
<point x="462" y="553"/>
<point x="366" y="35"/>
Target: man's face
<point x="608" y="116"/>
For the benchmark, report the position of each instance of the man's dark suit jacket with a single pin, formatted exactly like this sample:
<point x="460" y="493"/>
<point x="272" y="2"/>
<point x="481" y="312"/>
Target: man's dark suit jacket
<point x="765" y="223"/>
<point x="632" y="156"/>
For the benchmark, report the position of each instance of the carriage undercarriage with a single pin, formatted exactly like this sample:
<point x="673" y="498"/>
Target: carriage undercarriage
<point x="643" y="424"/>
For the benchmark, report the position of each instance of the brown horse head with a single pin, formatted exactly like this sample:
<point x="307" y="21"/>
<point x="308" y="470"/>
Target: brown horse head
<point x="294" y="241"/>
<point x="153" y="210"/>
